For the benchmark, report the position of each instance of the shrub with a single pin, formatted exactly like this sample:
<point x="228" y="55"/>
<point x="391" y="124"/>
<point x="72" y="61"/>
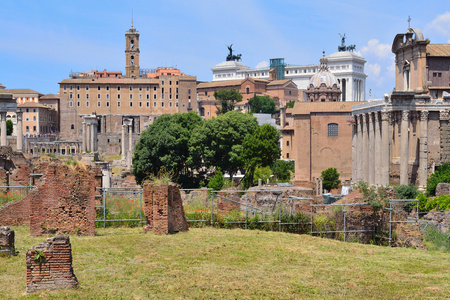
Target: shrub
<point x="262" y="173"/>
<point x="442" y="174"/>
<point x="330" y="179"/>
<point x="282" y="170"/>
<point x="217" y="181"/>
<point x="406" y="191"/>
<point x="439" y="203"/>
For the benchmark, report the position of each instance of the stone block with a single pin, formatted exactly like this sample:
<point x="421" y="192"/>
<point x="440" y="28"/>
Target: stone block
<point x="442" y="188"/>
<point x="7" y="241"/>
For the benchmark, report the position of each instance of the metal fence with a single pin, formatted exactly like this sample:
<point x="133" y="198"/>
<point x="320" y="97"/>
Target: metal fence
<point x="14" y="193"/>
<point x="437" y="233"/>
<point x="120" y="206"/>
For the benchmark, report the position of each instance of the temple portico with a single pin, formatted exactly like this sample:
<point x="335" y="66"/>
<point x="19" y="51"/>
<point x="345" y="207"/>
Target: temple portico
<point x="397" y="140"/>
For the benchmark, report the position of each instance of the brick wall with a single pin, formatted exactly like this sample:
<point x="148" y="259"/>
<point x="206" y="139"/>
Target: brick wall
<point x="163" y="208"/>
<point x="55" y="270"/>
<point x="16" y="213"/>
<point x="64" y="201"/>
<point x="225" y="206"/>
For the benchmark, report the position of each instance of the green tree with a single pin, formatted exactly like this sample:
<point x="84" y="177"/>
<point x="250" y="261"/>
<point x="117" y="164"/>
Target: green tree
<point x="290" y="104"/>
<point x="262" y="104"/>
<point x="165" y="145"/>
<point x="9" y="127"/>
<point x="260" y="150"/>
<point x="442" y="174"/>
<point x="282" y="170"/>
<point x="217" y="181"/>
<point x="330" y="179"/>
<point x="263" y="173"/>
<point x="227" y="99"/>
<point x="218" y="142"/>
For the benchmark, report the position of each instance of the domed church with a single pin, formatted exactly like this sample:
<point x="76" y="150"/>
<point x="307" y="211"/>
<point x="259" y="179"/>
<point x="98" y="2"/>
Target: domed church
<point x="323" y="86"/>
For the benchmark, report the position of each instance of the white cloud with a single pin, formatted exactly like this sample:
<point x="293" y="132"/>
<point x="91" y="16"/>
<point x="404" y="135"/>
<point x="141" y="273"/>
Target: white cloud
<point x="375" y="48"/>
<point x="263" y="64"/>
<point x="373" y="70"/>
<point x="441" y="24"/>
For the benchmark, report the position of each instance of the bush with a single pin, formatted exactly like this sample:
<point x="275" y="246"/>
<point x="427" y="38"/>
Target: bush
<point x="442" y="174"/>
<point x="439" y="203"/>
<point x="263" y="173"/>
<point x="282" y="170"/>
<point x="330" y="179"/>
<point x="406" y="191"/>
<point x="217" y="181"/>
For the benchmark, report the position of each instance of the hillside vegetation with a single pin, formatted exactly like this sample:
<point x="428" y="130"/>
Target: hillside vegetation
<point x="208" y="263"/>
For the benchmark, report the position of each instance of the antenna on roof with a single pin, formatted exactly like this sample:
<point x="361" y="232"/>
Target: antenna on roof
<point x="409" y="22"/>
<point x="131" y="18"/>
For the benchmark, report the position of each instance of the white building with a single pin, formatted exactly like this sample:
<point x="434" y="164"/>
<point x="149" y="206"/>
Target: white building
<point x="348" y="67"/>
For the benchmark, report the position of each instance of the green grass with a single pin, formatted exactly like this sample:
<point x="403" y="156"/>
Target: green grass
<point x="209" y="263"/>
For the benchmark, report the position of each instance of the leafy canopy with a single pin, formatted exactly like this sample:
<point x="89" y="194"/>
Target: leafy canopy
<point x="262" y="104"/>
<point x="282" y="170"/>
<point x="442" y="174"/>
<point x="227" y="99"/>
<point x="9" y="127"/>
<point x="330" y="179"/>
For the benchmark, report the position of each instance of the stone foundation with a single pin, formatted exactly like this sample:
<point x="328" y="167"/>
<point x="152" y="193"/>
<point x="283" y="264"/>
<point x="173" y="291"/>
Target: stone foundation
<point x="53" y="270"/>
<point x="7" y="241"/>
<point x="163" y="209"/>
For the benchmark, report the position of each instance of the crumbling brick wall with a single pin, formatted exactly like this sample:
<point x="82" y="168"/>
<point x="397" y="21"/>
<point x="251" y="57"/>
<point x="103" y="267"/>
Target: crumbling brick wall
<point x="64" y="201"/>
<point x="227" y="202"/>
<point x="16" y="213"/>
<point x="7" y="240"/>
<point x="163" y="208"/>
<point x="54" y="269"/>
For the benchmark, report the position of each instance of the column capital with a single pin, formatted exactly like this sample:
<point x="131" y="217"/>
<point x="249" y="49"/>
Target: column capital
<point x="19" y="116"/>
<point x="405" y="115"/>
<point x="424" y="115"/>
<point x="385" y="115"/>
<point x="443" y="115"/>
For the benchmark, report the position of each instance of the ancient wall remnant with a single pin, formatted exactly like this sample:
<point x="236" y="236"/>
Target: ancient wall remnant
<point x="49" y="265"/>
<point x="64" y="201"/>
<point x="227" y="202"/>
<point x="163" y="208"/>
<point x="16" y="213"/>
<point x="7" y="241"/>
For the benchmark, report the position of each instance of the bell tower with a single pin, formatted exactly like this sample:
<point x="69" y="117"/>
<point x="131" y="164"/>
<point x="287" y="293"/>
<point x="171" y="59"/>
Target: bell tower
<point x="132" y="52"/>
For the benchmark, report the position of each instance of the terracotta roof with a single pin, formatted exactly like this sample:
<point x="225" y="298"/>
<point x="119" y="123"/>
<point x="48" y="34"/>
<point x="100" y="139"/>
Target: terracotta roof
<point x="218" y="84"/>
<point x="19" y="91"/>
<point x="109" y="80"/>
<point x="279" y="82"/>
<point x="301" y="108"/>
<point x="33" y="104"/>
<point x="438" y="50"/>
<point x="50" y="96"/>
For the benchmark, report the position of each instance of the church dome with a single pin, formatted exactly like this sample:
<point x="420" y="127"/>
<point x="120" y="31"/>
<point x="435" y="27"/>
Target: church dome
<point x="323" y="76"/>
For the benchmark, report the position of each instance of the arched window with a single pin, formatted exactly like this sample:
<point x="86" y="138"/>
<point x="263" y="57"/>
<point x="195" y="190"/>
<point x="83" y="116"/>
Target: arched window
<point x="333" y="129"/>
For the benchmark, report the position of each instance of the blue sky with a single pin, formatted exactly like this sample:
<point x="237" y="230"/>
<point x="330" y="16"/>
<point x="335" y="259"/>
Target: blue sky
<point x="42" y="41"/>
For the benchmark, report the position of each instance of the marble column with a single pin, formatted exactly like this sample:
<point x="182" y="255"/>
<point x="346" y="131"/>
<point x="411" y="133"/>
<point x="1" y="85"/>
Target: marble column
<point x="404" y="148"/>
<point x="377" y="149"/>
<point x="83" y="147"/>
<point x="385" y="136"/>
<point x="3" y="128"/>
<point x="354" y="148"/>
<point x="371" y="150"/>
<point x="124" y="128"/>
<point x="365" y="157"/>
<point x="103" y="124"/>
<point x="88" y="137"/>
<point x="423" y="149"/>
<point x="360" y="148"/>
<point x="130" y="145"/>
<point x="19" y="127"/>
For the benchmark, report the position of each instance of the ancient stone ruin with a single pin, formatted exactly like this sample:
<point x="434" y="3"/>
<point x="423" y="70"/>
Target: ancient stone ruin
<point x="49" y="265"/>
<point x="163" y="209"/>
<point x="228" y="201"/>
<point x="7" y="241"/>
<point x="64" y="201"/>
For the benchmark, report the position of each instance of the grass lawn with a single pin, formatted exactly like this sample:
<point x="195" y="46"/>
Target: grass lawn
<point x="210" y="263"/>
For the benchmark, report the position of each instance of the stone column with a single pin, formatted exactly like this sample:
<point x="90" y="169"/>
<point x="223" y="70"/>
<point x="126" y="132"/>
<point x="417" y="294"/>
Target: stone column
<point x="371" y="150"/>
<point x="92" y="140"/>
<point x="360" y="148"/>
<point x="423" y="149"/>
<point x="404" y="148"/>
<point x="124" y="128"/>
<point x="3" y="128"/>
<point x="19" y="127"/>
<point x="365" y="156"/>
<point x="385" y="160"/>
<point x="83" y="147"/>
<point x="103" y="124"/>
<point x="354" y="148"/>
<point x="377" y="149"/>
<point x="88" y="137"/>
<point x="130" y="145"/>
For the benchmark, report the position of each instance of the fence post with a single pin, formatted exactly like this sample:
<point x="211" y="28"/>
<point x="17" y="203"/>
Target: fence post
<point x="246" y="209"/>
<point x="390" y="223"/>
<point x="279" y="216"/>
<point x="310" y="205"/>
<point x="212" y="215"/>
<point x="345" y="222"/>
<point x="417" y="213"/>
<point x="104" y="207"/>
<point x="141" y="191"/>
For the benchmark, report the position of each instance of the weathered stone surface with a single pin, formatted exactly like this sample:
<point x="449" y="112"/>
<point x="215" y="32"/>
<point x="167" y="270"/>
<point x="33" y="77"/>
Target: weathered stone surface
<point x="441" y="217"/>
<point x="442" y="188"/>
<point x="163" y="209"/>
<point x="7" y="240"/>
<point x="53" y="270"/>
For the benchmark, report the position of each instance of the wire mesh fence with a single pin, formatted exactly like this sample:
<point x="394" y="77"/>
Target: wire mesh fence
<point x="437" y="234"/>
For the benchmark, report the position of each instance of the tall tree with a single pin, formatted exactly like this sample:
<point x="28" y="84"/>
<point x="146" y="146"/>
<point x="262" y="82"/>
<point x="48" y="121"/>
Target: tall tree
<point x="164" y="145"/>
<point x="227" y="99"/>
<point x="9" y="127"/>
<point x="218" y="143"/>
<point x="262" y="105"/>
<point x="260" y="149"/>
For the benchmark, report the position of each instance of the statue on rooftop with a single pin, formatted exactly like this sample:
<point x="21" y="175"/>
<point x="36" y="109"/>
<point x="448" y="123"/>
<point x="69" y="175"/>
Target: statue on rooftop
<point x="232" y="57"/>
